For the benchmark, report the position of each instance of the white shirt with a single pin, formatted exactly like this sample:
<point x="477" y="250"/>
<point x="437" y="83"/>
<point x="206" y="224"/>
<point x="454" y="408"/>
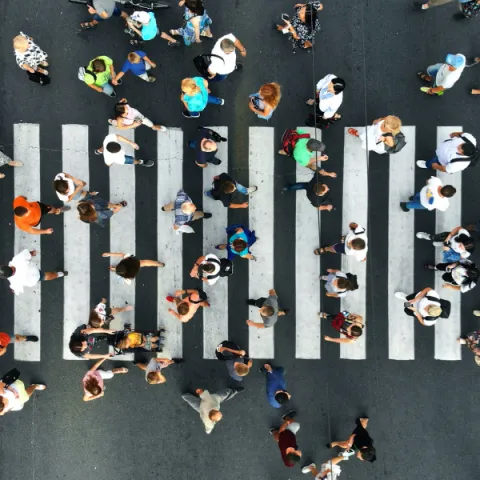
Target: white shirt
<point x="459" y="274"/>
<point x="111" y="158"/>
<point x="71" y="187"/>
<point x="447" y="151"/>
<point x="359" y="232"/>
<point x="229" y="59"/>
<point x="215" y="259"/>
<point x="430" y="190"/>
<point x="26" y="274"/>
<point x="208" y="403"/>
<point x="422" y="305"/>
<point x="447" y="79"/>
<point x="454" y="244"/>
<point x="330" y="105"/>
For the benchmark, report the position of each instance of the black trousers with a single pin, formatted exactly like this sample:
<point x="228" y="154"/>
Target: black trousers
<point x="447" y="276"/>
<point x="257" y="303"/>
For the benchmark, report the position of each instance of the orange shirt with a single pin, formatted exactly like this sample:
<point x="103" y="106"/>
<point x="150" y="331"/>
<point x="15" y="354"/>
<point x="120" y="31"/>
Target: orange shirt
<point x="32" y="218"/>
<point x="4" y="339"/>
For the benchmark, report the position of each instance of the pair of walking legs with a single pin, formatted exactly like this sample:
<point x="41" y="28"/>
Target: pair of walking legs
<point x="194" y="401"/>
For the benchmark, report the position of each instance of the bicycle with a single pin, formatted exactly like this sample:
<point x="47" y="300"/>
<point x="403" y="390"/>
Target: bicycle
<point x="145" y="4"/>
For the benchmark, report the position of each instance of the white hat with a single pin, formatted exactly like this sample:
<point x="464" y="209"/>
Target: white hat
<point x="142" y="17"/>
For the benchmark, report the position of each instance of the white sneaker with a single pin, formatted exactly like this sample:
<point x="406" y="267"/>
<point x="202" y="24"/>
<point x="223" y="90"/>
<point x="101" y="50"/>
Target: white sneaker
<point x="401" y="296"/>
<point x="421" y="163"/>
<point x="438" y="244"/>
<point x="252" y="189"/>
<point x="163" y="128"/>
<point x="423" y="236"/>
<point x="347" y="453"/>
<point x="308" y="468"/>
<point x="223" y="101"/>
<point x="476" y="313"/>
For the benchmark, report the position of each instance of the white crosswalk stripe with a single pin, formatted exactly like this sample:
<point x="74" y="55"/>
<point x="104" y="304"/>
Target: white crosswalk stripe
<point x="262" y="157"/>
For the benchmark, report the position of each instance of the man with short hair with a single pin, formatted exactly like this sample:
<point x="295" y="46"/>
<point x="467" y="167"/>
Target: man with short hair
<point x="306" y="151"/>
<point x="21" y="273"/>
<point x="139" y="64"/>
<point x="225" y="188"/>
<point x="285" y="436"/>
<point x="277" y="394"/>
<point x="237" y="362"/>
<point x="7" y="339"/>
<point x="185" y="210"/>
<point x="453" y="155"/>
<point x="28" y="215"/>
<point x="99" y="73"/>
<point x="205" y="146"/>
<point x="355" y="243"/>
<point x="208" y="404"/>
<point x="433" y="196"/>
<point x="443" y="76"/>
<point x="268" y="309"/>
<point x="220" y="68"/>
<point x="113" y="152"/>
<point x="101" y="10"/>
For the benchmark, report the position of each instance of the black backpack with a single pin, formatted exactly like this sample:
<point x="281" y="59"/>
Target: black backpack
<point x="473" y="159"/>
<point x="445" y="305"/>
<point x="202" y="62"/>
<point x="226" y="267"/>
<point x="399" y="140"/>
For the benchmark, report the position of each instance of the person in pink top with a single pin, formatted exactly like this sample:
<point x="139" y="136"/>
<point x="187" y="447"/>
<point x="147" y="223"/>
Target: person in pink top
<point x="93" y="386"/>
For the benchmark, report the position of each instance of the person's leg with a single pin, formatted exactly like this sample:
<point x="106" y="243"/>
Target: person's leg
<point x="415" y="203"/>
<point x="257" y="303"/>
<point x="151" y="263"/>
<point x="144" y="76"/>
<point x="217" y="78"/>
<point x="226" y="394"/>
<point x="436" y="3"/>
<point x="442" y="266"/>
<point x="106" y="374"/>
<point x="447" y="277"/>
<point x="168" y="207"/>
<point x="215" y="100"/>
<point x="35" y="386"/>
<point x="52" y="275"/>
<point x="192" y="400"/>
<point x="430" y="162"/>
<point x="198" y="215"/>
<point x="297" y="186"/>
<point x="167" y="37"/>
<point x="23" y="338"/>
<point x="108" y="89"/>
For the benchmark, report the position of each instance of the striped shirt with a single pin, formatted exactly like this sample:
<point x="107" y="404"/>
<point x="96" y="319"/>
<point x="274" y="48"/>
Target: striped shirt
<point x="180" y="217"/>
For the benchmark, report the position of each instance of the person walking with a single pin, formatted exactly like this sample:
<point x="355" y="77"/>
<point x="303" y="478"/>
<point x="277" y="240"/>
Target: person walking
<point x="268" y="309"/>
<point x="468" y="8"/>
<point x="286" y="438"/>
<point x="139" y="64"/>
<point x="236" y="360"/>
<point x="329" y="98"/>
<point x="101" y="10"/>
<point x="223" y="60"/>
<point x="93" y="209"/>
<point x="188" y="301"/>
<point x="153" y="369"/>
<point x="102" y="315"/>
<point x="277" y="394"/>
<point x="127" y="117"/>
<point x="9" y="339"/>
<point x="355" y="244"/>
<point x="208" y="404"/>
<point x="350" y="325"/>
<point x="225" y="188"/>
<point x="434" y="195"/>
<point x="338" y="283"/>
<point x="209" y="268"/>
<point x="472" y="341"/>
<point x="461" y="276"/>
<point x="21" y="273"/>
<point x="69" y="188"/>
<point x="443" y="76"/>
<point x="196" y="96"/>
<point x="303" y="25"/>
<point x="144" y="24"/>
<point x="306" y="151"/>
<point x="426" y="306"/>
<point x="206" y="147"/>
<point x="359" y="441"/>
<point x="98" y="75"/>
<point x="5" y="160"/>
<point x="28" y="55"/>
<point x="13" y="397"/>
<point x="130" y="265"/>
<point x="185" y="212"/>
<point x="93" y="381"/>
<point x="240" y="239"/>
<point x="113" y="152"/>
<point x="317" y="192"/>
<point x="453" y="155"/>
<point x="457" y="244"/>
<point x="196" y="22"/>
<point x="265" y="101"/>
<point x="328" y="470"/>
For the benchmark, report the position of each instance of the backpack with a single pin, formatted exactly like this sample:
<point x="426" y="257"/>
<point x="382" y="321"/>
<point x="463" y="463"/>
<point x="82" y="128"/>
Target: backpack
<point x="226" y="267"/>
<point x="353" y="280"/>
<point x="399" y="140"/>
<point x="473" y="159"/>
<point x="445" y="305"/>
<point x="202" y="62"/>
<point x="290" y="138"/>
<point x="82" y="71"/>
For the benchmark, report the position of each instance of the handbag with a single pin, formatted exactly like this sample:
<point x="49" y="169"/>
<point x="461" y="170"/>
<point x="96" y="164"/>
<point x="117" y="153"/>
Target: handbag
<point x="38" y="77"/>
<point x="201" y="63"/>
<point x="10" y="377"/>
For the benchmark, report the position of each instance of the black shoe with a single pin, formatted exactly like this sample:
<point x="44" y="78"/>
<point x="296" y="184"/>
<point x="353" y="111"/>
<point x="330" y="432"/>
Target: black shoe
<point x="429" y="266"/>
<point x="178" y="360"/>
<point x="191" y="144"/>
<point x="289" y="414"/>
<point x="403" y="206"/>
<point x="411" y="198"/>
<point x="418" y="6"/>
<point x="285" y="188"/>
<point x="113" y="95"/>
<point x="238" y="66"/>
<point x="31" y="338"/>
<point x="148" y="163"/>
<point x="238" y="389"/>
<point x="119" y="81"/>
<point x="328" y="445"/>
<point x="65" y="274"/>
<point x="459" y="16"/>
<point x="286" y="311"/>
<point x="207" y="215"/>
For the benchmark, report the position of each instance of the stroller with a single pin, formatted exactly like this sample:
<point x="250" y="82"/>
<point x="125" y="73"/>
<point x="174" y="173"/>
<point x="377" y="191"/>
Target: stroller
<point x="143" y="341"/>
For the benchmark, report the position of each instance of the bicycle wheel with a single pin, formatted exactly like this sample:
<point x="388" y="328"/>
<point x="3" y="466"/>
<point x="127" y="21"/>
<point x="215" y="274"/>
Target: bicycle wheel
<point x="83" y="2"/>
<point x="148" y="5"/>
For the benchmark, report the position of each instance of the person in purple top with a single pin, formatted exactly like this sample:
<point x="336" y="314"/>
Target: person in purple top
<point x="277" y="394"/>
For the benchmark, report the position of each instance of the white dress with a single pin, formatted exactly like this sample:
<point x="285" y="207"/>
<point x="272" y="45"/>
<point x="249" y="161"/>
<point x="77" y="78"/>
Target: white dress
<point x="373" y="133"/>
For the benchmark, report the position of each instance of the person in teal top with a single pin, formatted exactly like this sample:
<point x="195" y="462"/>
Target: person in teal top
<point x="240" y="239"/>
<point x="195" y="96"/>
<point x="144" y="24"/>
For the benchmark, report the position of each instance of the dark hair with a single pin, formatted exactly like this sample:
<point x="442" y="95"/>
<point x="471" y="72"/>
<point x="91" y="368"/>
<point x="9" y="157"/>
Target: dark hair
<point x="99" y="65"/>
<point x="292" y="458"/>
<point x="75" y="344"/>
<point x="120" y="109"/>
<point x="448" y="191"/>
<point x="356" y="331"/>
<point x="87" y="211"/>
<point x="358" y="244"/>
<point x="206" y="267"/>
<point x="113" y="147"/>
<point x="92" y="386"/>
<point x="319" y="189"/>
<point x="467" y="241"/>
<point x="228" y="187"/>
<point x="2" y="405"/>
<point x="61" y="186"/>
<point x="268" y="311"/>
<point x="6" y="271"/>
<point x="310" y="16"/>
<point x="472" y="272"/>
<point x="281" y="397"/>
<point x="195" y="6"/>
<point x="239" y="245"/>
<point x="369" y="454"/>
<point x="183" y="308"/>
<point x="338" y="85"/>
<point x="468" y="149"/>
<point x="348" y="283"/>
<point x="20" y="211"/>
<point x="94" y="320"/>
<point x="128" y="267"/>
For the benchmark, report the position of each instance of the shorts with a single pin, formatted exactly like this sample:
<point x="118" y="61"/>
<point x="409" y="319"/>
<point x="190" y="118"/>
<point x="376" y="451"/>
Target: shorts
<point x="116" y="13"/>
<point x="105" y="374"/>
<point x="4" y="160"/>
<point x="294" y="427"/>
<point x="19" y="387"/>
<point x="128" y="160"/>
<point x="79" y="195"/>
<point x="44" y="209"/>
<point x="339" y="247"/>
<point x="42" y="276"/>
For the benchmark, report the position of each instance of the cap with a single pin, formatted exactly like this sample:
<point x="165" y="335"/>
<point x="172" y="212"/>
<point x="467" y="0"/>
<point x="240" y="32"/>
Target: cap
<point x="142" y="17"/>
<point x="455" y="60"/>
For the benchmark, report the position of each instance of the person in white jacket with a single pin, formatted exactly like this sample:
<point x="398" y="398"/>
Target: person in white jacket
<point x="21" y="273"/>
<point x="329" y="98"/>
<point x="434" y="195"/>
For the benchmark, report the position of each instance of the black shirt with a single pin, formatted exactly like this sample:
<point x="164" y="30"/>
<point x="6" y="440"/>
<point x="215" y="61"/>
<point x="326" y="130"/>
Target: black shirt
<point x="362" y="439"/>
<point x="217" y="191"/>
<point x="203" y="157"/>
<point x="80" y="337"/>
<point x="316" y="200"/>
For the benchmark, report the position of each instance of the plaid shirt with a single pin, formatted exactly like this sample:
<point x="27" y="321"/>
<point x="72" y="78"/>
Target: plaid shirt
<point x="180" y="217"/>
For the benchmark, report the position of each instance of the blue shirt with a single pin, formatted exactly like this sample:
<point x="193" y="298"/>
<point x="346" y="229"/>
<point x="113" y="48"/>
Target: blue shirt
<point x="240" y="236"/>
<point x="197" y="102"/>
<point x="135" y="68"/>
<point x="275" y="382"/>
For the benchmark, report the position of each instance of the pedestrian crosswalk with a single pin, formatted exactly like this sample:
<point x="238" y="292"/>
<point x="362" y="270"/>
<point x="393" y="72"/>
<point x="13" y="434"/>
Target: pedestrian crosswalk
<point x="171" y="148"/>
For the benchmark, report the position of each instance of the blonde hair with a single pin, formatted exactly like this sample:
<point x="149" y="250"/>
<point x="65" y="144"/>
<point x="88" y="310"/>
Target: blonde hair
<point x="394" y="124"/>
<point x="19" y="42"/>
<point x="434" y="310"/>
<point x="241" y="369"/>
<point x="134" y="57"/>
<point x="270" y="93"/>
<point x="189" y="86"/>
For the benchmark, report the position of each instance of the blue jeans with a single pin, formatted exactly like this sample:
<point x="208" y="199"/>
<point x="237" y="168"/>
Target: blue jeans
<point x="432" y="70"/>
<point x="107" y="88"/>
<point x="297" y="186"/>
<point x="129" y="160"/>
<point x="415" y="203"/>
<point x="433" y="160"/>
<point x="116" y="13"/>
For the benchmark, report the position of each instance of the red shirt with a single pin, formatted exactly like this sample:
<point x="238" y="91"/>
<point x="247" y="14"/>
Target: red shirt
<point x="4" y="339"/>
<point x="286" y="440"/>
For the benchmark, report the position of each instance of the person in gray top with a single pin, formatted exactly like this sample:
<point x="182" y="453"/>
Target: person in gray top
<point x="268" y="309"/>
<point x="102" y="10"/>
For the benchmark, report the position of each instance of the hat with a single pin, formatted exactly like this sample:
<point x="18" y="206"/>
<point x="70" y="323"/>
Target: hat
<point x="142" y="17"/>
<point x="456" y="61"/>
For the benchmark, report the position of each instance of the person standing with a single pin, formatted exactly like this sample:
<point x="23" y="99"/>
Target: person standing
<point x="277" y="394"/>
<point x="21" y="273"/>
<point x="426" y="306"/>
<point x="224" y="57"/>
<point x="355" y="243"/>
<point x="15" y="396"/>
<point x="102" y="10"/>
<point x="317" y="192"/>
<point x="127" y="117"/>
<point x="196" y="96"/>
<point x="28" y="55"/>
<point x="205" y="146"/>
<point x="236" y="360"/>
<point x="28" y="215"/>
<point x="443" y="76"/>
<point x="98" y="75"/>
<point x="452" y="155"/>
<point x="139" y="64"/>
<point x="208" y="404"/>
<point x="433" y="196"/>
<point x="350" y="325"/>
<point x="113" y="153"/>
<point x="185" y="211"/>
<point x="6" y="340"/>
<point x="225" y="188"/>
<point x="196" y="22"/>
<point x="286" y="438"/>
<point x="268" y="309"/>
<point x="93" y="386"/>
<point x="265" y="101"/>
<point x="328" y="470"/>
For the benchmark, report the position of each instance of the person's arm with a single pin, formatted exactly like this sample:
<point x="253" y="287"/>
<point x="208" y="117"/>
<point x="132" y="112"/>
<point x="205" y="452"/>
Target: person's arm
<point x="240" y="353"/>
<point x="194" y="271"/>
<point x="118" y="77"/>
<point x="420" y="295"/>
<point x="95" y="367"/>
<point x="238" y="44"/>
<point x="249" y="256"/>
<point x="39" y="231"/>
<point x="327" y="174"/>
<point x="128" y="142"/>
<point x="326" y="207"/>
<point x="93" y="397"/>
<point x="332" y="270"/>
<point x="113" y="254"/>
<point x="332" y="295"/>
<point x="272" y="292"/>
<point x="456" y="134"/>
<point x="457" y="288"/>
<point x="419" y="317"/>
<point x="452" y="233"/>
<point x="251" y="323"/>
<point x="95" y="356"/>
<point x="338" y="340"/>
<point x="89" y="331"/>
<point x="238" y="205"/>
<point x="3" y="350"/>
<point x="168" y="361"/>
<point x="377" y="120"/>
<point x="94" y="87"/>
<point x="175" y="314"/>
<point x="437" y="166"/>
<point x="150" y="62"/>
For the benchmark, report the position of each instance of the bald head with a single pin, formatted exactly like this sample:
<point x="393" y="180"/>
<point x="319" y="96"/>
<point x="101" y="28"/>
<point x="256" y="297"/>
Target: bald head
<point x="215" y="415"/>
<point x="188" y="208"/>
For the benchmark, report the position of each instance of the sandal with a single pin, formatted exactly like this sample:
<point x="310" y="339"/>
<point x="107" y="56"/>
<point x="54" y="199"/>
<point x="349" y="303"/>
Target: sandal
<point x="354" y="132"/>
<point x="87" y="25"/>
<point x="40" y="386"/>
<point x="16" y="163"/>
<point x="174" y="44"/>
<point x="319" y="251"/>
<point x="123" y="203"/>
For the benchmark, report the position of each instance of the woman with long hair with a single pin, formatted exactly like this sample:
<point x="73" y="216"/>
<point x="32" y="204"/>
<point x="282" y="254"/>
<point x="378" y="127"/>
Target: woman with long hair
<point x="126" y="117"/>
<point x="93" y="386"/>
<point x="265" y="102"/>
<point x="93" y="209"/>
<point x="130" y="265"/>
<point x="196" y="22"/>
